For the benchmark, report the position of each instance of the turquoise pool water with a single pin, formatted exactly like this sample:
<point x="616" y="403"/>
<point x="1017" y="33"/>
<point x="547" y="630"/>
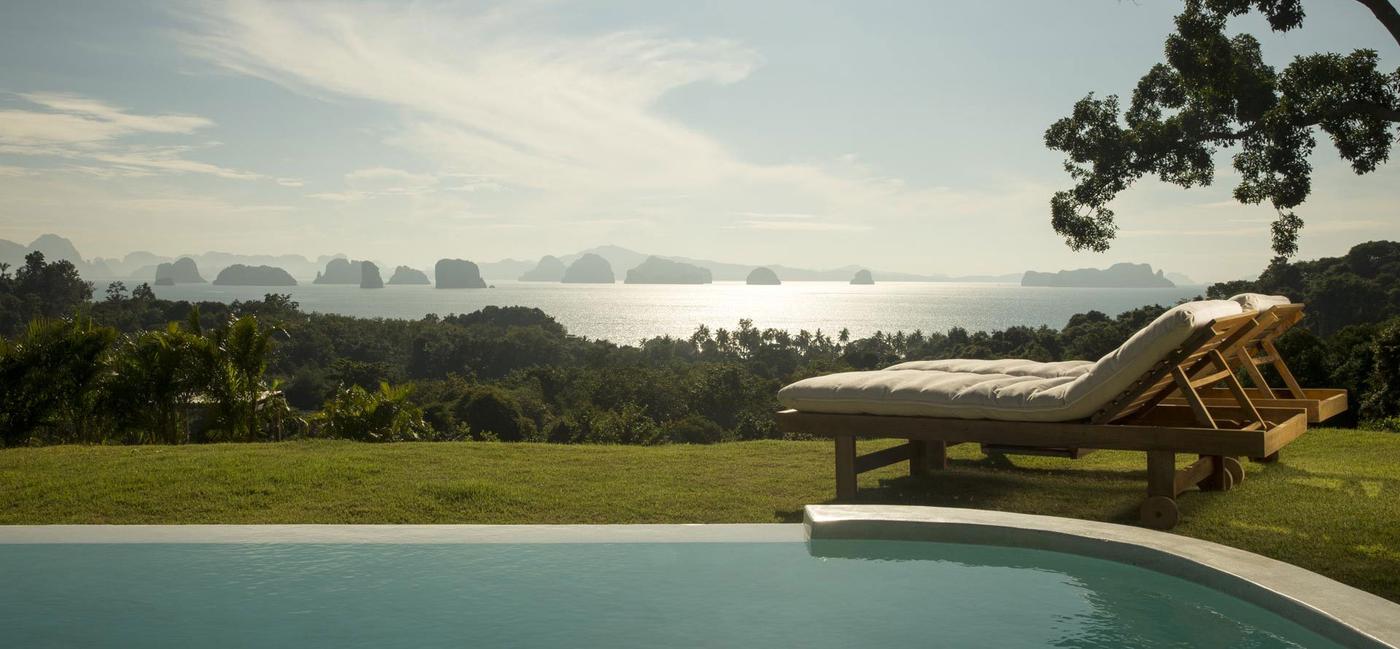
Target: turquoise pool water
<point x="862" y="594"/>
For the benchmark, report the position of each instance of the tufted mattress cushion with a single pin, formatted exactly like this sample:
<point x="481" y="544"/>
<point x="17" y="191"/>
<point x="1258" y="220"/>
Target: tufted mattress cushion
<point x="1259" y="301"/>
<point x="966" y="395"/>
<point x="1007" y="366"/>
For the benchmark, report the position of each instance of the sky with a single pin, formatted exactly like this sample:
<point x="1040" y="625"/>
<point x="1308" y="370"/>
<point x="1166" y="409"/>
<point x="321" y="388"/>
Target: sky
<point x="903" y="136"/>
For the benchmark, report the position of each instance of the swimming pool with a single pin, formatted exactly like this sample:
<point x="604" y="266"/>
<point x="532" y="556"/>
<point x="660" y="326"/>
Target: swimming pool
<point x="598" y="586"/>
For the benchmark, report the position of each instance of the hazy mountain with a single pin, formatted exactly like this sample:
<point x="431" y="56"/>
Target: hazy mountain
<point x="506" y="268"/>
<point x="763" y="277"/>
<point x="1182" y="280"/>
<point x="589" y="269"/>
<point x="12" y="253"/>
<point x="1116" y="276"/>
<point x="656" y="270"/>
<point x="457" y="273"/>
<point x="54" y="248"/>
<point x="340" y="271"/>
<point x="369" y="275"/>
<point x="550" y="269"/>
<point x="241" y="275"/>
<point x="181" y="271"/>
<point x="406" y="275"/>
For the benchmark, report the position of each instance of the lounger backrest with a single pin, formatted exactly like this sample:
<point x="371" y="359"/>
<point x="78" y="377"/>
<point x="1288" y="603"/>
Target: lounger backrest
<point x="1138" y="373"/>
<point x="1259" y="301"/>
<point x="1257" y="349"/>
<point x="1280" y="319"/>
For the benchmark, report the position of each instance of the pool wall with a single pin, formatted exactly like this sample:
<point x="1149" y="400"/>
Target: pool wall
<point x="1346" y="615"/>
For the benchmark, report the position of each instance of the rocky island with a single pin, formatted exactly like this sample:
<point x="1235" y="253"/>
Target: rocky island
<point x="180" y="271"/>
<point x="656" y="270"/>
<point x="369" y="275"/>
<point x="406" y="275"/>
<point x="550" y="269"/>
<point x="339" y="271"/>
<point x="457" y="273"/>
<point x="589" y="269"/>
<point x="762" y="277"/>
<point x="863" y="276"/>
<point x="1115" y="276"/>
<point x="241" y="275"/>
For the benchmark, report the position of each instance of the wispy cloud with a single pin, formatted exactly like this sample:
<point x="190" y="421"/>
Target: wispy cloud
<point x="380" y="182"/>
<point x="567" y="123"/>
<point x="96" y="137"/>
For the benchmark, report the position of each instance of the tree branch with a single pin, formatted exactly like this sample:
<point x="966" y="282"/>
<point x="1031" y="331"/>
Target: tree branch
<point x="1386" y="113"/>
<point x="1386" y="13"/>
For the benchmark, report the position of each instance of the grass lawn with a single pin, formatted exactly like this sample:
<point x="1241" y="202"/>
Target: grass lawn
<point x="1331" y="505"/>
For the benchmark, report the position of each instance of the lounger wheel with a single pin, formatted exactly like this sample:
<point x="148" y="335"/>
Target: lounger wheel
<point x="1160" y="512"/>
<point x="1236" y="471"/>
<point x="1230" y="476"/>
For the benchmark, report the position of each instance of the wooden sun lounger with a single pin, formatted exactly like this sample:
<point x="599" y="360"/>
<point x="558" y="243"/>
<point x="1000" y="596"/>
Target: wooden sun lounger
<point x="1257" y="350"/>
<point x="1136" y="420"/>
<point x="1251" y="350"/>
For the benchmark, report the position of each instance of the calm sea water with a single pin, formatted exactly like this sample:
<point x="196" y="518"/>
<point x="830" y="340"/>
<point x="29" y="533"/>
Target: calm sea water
<point x="628" y="313"/>
<point x="871" y="594"/>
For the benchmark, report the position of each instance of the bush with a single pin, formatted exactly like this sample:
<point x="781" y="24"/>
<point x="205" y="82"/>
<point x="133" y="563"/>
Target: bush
<point x="489" y="410"/>
<point x="385" y="415"/>
<point x="627" y="425"/>
<point x="693" y="430"/>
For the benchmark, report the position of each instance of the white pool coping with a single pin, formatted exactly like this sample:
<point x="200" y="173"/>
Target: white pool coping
<point x="1346" y="615"/>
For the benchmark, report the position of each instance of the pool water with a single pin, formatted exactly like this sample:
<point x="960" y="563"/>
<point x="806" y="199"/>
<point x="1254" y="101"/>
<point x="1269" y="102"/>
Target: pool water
<point x="863" y="594"/>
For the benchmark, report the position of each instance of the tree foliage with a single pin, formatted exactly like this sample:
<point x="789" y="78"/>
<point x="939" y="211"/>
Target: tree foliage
<point x="1215" y="91"/>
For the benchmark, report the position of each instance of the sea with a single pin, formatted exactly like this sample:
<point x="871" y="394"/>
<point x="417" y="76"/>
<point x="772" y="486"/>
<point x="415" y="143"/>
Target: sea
<point x="628" y="313"/>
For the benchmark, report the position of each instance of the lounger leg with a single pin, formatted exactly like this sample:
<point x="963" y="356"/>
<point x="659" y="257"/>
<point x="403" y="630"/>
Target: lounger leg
<point x="1159" y="510"/>
<point x="1219" y="479"/>
<point x="938" y="455"/>
<point x="918" y="457"/>
<point x="845" y="467"/>
<point x="1267" y="459"/>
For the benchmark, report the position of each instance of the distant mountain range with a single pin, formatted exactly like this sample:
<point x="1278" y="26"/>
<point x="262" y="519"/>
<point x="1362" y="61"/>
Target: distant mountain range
<point x="623" y="259"/>
<point x="140" y="266"/>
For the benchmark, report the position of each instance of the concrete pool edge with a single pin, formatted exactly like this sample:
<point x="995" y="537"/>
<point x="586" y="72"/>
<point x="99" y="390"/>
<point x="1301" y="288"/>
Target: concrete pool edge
<point x="1347" y="615"/>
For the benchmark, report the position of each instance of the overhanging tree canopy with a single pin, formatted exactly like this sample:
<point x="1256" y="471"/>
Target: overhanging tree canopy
<point x="1215" y="91"/>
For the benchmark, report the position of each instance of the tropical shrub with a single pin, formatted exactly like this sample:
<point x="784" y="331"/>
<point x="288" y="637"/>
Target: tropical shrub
<point x="384" y="415"/>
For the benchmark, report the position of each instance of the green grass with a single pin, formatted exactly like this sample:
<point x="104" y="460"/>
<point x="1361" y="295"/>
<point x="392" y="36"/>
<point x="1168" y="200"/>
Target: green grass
<point x="1331" y="505"/>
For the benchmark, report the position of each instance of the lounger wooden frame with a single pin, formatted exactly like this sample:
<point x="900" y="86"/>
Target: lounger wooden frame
<point x="1246" y="353"/>
<point x="1257" y="350"/>
<point x="1137" y="420"/>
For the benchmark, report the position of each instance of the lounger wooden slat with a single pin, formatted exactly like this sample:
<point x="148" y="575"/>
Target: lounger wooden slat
<point x="1136" y="420"/>
<point x="1257" y="350"/>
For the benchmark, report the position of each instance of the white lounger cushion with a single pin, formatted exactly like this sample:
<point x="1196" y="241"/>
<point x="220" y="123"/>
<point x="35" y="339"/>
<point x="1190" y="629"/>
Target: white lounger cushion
<point x="1007" y="366"/>
<point x="1259" y="301"/>
<point x="1056" y="369"/>
<point x="962" y="395"/>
